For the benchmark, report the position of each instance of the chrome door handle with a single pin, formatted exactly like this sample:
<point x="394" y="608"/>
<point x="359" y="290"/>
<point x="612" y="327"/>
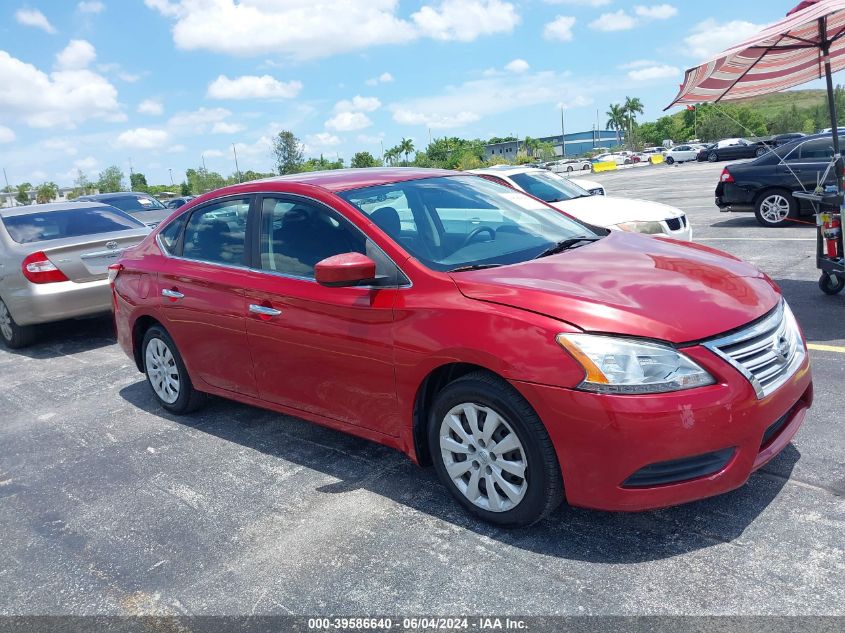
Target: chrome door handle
<point x="264" y="310"/>
<point x="172" y="294"/>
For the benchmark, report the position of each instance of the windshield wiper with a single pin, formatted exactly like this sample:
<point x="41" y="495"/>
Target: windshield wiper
<point x="462" y="269"/>
<point x="565" y="245"/>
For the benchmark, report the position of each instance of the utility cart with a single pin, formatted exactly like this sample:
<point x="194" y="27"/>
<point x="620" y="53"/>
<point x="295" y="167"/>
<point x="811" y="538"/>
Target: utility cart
<point x="829" y="241"/>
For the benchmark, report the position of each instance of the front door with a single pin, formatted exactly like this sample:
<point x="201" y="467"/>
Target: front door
<point x="202" y="298"/>
<point x="323" y="350"/>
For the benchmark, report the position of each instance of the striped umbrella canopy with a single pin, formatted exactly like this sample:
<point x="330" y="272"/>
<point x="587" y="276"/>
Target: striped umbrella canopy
<point x="808" y="44"/>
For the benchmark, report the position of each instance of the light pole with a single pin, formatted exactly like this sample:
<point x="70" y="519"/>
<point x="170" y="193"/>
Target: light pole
<point x="237" y="169"/>
<point x="563" y="131"/>
<point x="171" y="176"/>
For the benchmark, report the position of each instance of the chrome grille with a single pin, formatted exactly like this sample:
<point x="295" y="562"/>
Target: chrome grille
<point x="767" y="353"/>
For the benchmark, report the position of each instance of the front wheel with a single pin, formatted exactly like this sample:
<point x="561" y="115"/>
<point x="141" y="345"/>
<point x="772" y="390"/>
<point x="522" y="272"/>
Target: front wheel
<point x="831" y="284"/>
<point x="670" y="160"/>
<point x="569" y="169"/>
<point x="167" y="375"/>
<point x="14" y="336"/>
<point x="713" y="157"/>
<point x="762" y="151"/>
<point x="775" y="209"/>
<point x="492" y="452"/>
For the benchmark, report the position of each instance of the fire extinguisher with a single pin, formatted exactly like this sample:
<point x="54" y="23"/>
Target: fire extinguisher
<point x="831" y="230"/>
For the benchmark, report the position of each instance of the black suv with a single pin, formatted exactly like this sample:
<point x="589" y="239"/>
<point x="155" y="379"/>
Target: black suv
<point x="765" y="185"/>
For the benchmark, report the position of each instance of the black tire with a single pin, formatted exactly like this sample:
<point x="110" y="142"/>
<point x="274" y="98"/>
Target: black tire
<point x="544" y="490"/>
<point x="761" y="151"/>
<point x="831" y="284"/>
<point x="713" y="157"/>
<point x="670" y="160"/>
<point x="587" y="168"/>
<point x="765" y="208"/>
<point x="189" y="399"/>
<point x="13" y="335"/>
<point x="569" y="169"/>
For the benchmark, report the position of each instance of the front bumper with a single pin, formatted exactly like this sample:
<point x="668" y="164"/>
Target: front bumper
<point x="603" y="440"/>
<point x="31" y="304"/>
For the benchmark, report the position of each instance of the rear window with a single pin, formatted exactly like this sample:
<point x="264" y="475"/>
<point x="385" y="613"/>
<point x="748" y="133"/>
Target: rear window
<point x="131" y="204"/>
<point x="56" y="225"/>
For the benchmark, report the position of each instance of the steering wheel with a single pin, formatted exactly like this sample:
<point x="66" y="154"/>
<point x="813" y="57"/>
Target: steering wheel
<point x="478" y="231"/>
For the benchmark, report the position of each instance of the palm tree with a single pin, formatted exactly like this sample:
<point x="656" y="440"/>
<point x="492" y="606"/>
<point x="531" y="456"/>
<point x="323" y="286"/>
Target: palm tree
<point x="616" y="120"/>
<point x="406" y="147"/>
<point x="633" y="107"/>
<point x="391" y="155"/>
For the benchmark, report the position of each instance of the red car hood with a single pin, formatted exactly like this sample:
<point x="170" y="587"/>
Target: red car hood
<point x="634" y="285"/>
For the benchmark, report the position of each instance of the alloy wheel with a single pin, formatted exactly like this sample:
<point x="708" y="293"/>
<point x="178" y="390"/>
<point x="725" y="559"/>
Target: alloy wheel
<point x="5" y="322"/>
<point x="774" y="209"/>
<point x="484" y="457"/>
<point x="162" y="371"/>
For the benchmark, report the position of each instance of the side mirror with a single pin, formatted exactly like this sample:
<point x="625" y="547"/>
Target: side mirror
<point x="346" y="269"/>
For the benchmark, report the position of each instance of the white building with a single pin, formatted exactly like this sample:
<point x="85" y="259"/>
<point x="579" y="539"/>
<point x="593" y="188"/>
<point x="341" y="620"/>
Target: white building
<point x="8" y="199"/>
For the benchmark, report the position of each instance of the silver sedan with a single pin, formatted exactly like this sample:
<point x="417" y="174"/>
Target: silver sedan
<point x="54" y="262"/>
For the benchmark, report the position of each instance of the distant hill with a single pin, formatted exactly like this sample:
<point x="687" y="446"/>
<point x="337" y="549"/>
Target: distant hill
<point x="772" y="105"/>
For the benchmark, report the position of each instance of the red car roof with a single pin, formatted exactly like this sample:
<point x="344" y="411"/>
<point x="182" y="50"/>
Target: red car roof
<point x="344" y="179"/>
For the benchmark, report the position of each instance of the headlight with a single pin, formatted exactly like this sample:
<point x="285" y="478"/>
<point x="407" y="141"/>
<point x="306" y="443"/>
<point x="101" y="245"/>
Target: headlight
<point x="650" y="228"/>
<point x="626" y="366"/>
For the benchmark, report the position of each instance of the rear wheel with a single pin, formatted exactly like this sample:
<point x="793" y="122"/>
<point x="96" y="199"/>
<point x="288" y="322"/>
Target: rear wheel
<point x="167" y="375"/>
<point x="775" y="208"/>
<point x="831" y="284"/>
<point x="569" y="169"/>
<point x="492" y="452"/>
<point x="14" y="336"/>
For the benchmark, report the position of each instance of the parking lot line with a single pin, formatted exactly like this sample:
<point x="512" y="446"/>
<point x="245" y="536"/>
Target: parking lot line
<point x="826" y="348"/>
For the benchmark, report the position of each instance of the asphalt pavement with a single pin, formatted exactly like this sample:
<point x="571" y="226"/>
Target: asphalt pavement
<point x="109" y="505"/>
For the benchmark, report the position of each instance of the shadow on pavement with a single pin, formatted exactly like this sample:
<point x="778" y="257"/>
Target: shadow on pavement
<point x="69" y="337"/>
<point x="819" y="315"/>
<point x="571" y="533"/>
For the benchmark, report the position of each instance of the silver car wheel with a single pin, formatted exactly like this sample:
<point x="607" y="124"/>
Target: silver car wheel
<point x="5" y="322"/>
<point x="484" y="457"/>
<point x="162" y="371"/>
<point x="774" y="209"/>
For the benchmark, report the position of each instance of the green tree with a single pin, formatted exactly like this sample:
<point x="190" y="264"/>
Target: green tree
<point x="364" y="159"/>
<point x="22" y="197"/>
<point x="254" y="175"/>
<point x="633" y="106"/>
<point x="46" y="192"/>
<point x="392" y="154"/>
<point x="138" y="182"/>
<point x="406" y="147"/>
<point x="616" y="120"/>
<point x="185" y="189"/>
<point x="111" y="180"/>
<point x="287" y="150"/>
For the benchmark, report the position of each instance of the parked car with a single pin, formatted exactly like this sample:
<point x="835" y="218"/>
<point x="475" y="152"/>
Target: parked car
<point x="53" y="260"/>
<point x="512" y="353"/>
<point x="141" y="206"/>
<point x="732" y="149"/>
<point x="624" y="214"/>
<point x="570" y="165"/>
<point x="783" y="139"/>
<point x="681" y="154"/>
<point x="590" y="186"/>
<point x="765" y="185"/>
<point x="619" y="159"/>
<point x="175" y="203"/>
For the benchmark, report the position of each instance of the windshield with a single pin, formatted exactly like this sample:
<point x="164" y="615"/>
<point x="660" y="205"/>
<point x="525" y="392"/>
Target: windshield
<point x="548" y="187"/>
<point x="75" y="222"/>
<point x="464" y="221"/>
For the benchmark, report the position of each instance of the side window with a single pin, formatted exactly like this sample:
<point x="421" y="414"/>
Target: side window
<point x="170" y="234"/>
<point x="821" y="150"/>
<point x="217" y="233"/>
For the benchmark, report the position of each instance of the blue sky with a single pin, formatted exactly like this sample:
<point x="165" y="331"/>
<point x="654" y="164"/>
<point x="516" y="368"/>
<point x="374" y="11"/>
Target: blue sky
<point x="164" y="82"/>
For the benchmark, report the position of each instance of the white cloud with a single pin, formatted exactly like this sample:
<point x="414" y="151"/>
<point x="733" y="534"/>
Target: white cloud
<point x="176" y="149"/>
<point x="581" y="3"/>
<point x="143" y="138"/>
<point x="86" y="164"/>
<point x="517" y="66"/>
<point x="384" y="78"/>
<point x="649" y="73"/>
<point x="559" y="29"/>
<point x="359" y="104"/>
<point x="153" y="107"/>
<point x="656" y="12"/>
<point x="165" y="7"/>
<point x="7" y="135"/>
<point x="60" y="145"/>
<point x="323" y="139"/>
<point x="638" y="63"/>
<point x="464" y="104"/>
<point x="90" y="6"/>
<point x="466" y="20"/>
<point x="348" y="122"/>
<point x="221" y="127"/>
<point x="616" y="21"/>
<point x="64" y="97"/>
<point x="708" y="38"/>
<point x="77" y="54"/>
<point x="212" y="153"/>
<point x="34" y="18"/>
<point x="252" y="87"/>
<point x="199" y="120"/>
<point x="370" y="139"/>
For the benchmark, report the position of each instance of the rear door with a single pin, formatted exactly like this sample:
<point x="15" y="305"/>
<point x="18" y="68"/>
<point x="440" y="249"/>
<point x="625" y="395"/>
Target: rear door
<point x="805" y="166"/>
<point x="201" y="294"/>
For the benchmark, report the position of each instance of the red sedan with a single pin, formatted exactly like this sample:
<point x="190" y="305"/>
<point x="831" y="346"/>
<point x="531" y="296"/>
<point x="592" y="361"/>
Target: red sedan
<point x="475" y="327"/>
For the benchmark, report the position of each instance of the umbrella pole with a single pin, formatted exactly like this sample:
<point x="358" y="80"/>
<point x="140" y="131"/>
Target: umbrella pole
<point x="831" y="101"/>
